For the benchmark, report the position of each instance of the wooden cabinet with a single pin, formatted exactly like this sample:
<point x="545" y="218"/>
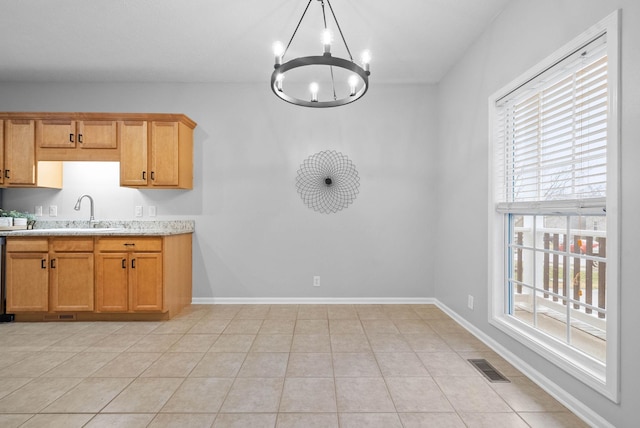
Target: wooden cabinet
<point x="27" y="275"/>
<point x="69" y="139"/>
<point x="129" y="275"/>
<point x="161" y="159"/>
<point x="71" y="274"/>
<point x="19" y="161"/>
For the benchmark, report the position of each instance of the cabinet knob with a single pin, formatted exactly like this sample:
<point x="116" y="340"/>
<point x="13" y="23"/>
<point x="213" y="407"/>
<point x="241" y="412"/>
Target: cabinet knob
<point x="6" y="173"/>
<point x="133" y="263"/>
<point x="153" y="175"/>
<point x="144" y="175"/>
<point x="71" y="138"/>
<point x="53" y="263"/>
<point x="43" y="263"/>
<point x="124" y="263"/>
<point x="80" y="138"/>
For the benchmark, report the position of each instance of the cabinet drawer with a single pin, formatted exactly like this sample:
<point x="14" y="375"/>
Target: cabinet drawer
<point x="27" y="244"/>
<point x="135" y="243"/>
<point x="72" y="244"/>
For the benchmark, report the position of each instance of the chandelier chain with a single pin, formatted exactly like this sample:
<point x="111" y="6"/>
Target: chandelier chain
<point x="298" y="26"/>
<point x="339" y="29"/>
<point x="324" y="18"/>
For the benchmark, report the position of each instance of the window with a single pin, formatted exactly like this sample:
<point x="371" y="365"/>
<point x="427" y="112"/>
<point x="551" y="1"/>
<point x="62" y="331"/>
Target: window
<point x="553" y="216"/>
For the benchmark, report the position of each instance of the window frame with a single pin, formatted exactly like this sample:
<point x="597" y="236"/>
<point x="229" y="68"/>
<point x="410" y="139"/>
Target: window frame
<point x="604" y="378"/>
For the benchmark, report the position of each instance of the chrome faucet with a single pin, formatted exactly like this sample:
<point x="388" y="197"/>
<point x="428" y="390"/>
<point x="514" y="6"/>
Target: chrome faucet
<point x="92" y="219"/>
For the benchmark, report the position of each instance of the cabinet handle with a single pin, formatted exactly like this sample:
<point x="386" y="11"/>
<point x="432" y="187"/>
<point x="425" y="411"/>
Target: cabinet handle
<point x="71" y="138"/>
<point x="124" y="263"/>
<point x="6" y="173"/>
<point x="153" y="175"/>
<point x="43" y="263"/>
<point x="133" y="263"/>
<point x="53" y="263"/>
<point x="144" y="175"/>
<point x="80" y="138"/>
<point x="129" y="244"/>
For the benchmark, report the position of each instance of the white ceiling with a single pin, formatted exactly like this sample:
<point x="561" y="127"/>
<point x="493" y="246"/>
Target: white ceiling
<point x="411" y="41"/>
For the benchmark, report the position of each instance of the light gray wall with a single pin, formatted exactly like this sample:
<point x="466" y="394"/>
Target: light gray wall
<point x="254" y="236"/>
<point x="524" y="34"/>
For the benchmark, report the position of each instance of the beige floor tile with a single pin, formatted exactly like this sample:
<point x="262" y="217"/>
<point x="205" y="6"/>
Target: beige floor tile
<point x="363" y="395"/>
<point x="173" y="364"/>
<point x="127" y="365"/>
<point x="412" y="326"/>
<point x="173" y="420"/>
<point x="336" y="312"/>
<point x="552" y="420"/>
<point x="89" y="396"/>
<point x="219" y="364"/>
<point x="493" y="420"/>
<point x="253" y="312"/>
<point x="397" y="364"/>
<point x="253" y="395"/>
<point x="36" y="395"/>
<point x="312" y="312"/>
<point x="138" y="327"/>
<point x="525" y="396"/>
<point x="10" y="384"/>
<point x="283" y="312"/>
<point x="175" y="327"/>
<point x="310" y="364"/>
<point x="209" y="326"/>
<point x="388" y="343"/>
<point x="81" y="365"/>
<point x="8" y="358"/>
<point x="30" y="342"/>
<point x="307" y="420"/>
<point x="154" y="343"/>
<point x="464" y="342"/>
<point x="115" y="343"/>
<point x="144" y="395"/>
<point x="308" y="395"/>
<point x="435" y="420"/>
<point x="355" y="364"/>
<point x="350" y="343"/>
<point x="371" y="313"/>
<point x="272" y="343"/>
<point x="345" y="326"/>
<point x="13" y="420"/>
<point x="312" y="326"/>
<point x="380" y="326"/>
<point x="140" y="420"/>
<point x="243" y="326"/>
<point x="472" y="395"/>
<point x="277" y="326"/>
<point x="253" y="420"/>
<point x="199" y="395"/>
<point x="396" y="313"/>
<point x="432" y="313"/>
<point x="447" y="364"/>
<point x="370" y="420"/>
<point x="446" y="326"/>
<point x="194" y="343"/>
<point x="233" y="343"/>
<point x="68" y="420"/>
<point x="426" y="342"/>
<point x="264" y="364"/>
<point x="76" y="342"/>
<point x="311" y="343"/>
<point x="417" y="394"/>
<point x="36" y="364"/>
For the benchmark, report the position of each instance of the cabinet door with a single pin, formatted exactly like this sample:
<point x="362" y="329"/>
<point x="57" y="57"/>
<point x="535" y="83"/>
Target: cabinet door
<point x="1" y="151"/>
<point x="145" y="280"/>
<point x="97" y="134"/>
<point x="133" y="153"/>
<point x="164" y="154"/>
<point x="27" y="279"/>
<point x="56" y="133"/>
<point x="71" y="281"/>
<point x="112" y="291"/>
<point x="20" y="156"/>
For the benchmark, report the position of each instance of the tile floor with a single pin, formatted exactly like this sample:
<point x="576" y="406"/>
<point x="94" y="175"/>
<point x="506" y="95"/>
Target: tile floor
<point x="264" y="366"/>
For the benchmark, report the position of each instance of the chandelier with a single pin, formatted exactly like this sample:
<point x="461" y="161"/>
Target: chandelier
<point x="330" y="69"/>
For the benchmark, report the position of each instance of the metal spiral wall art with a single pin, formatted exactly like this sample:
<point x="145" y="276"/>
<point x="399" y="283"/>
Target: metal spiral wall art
<point x="327" y="182"/>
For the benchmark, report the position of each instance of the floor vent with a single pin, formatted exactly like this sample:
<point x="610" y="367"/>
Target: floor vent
<point x="59" y="317"/>
<point x="488" y="370"/>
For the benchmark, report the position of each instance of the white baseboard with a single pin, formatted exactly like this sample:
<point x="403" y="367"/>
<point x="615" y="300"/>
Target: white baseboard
<point x="313" y="301"/>
<point x="569" y="401"/>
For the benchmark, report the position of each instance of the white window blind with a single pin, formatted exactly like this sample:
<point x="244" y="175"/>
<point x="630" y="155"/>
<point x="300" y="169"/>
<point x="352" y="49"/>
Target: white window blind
<point x="552" y="136"/>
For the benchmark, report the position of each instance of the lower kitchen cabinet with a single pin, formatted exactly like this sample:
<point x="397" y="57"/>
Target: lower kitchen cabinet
<point x="27" y="281"/>
<point x="71" y="274"/>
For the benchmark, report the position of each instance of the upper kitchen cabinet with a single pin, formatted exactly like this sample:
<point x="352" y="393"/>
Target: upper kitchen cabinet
<point x="19" y="163"/>
<point x="67" y="138"/>
<point x="161" y="158"/>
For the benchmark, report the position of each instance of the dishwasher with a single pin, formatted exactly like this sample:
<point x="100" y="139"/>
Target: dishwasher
<point x="4" y="316"/>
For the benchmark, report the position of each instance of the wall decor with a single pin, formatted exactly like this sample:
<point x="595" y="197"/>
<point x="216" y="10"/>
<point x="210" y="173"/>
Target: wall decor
<point x="327" y="181"/>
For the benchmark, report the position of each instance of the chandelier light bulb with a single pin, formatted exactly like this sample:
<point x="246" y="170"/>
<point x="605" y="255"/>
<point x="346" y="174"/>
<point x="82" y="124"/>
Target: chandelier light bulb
<point x="313" y="87"/>
<point x="366" y="60"/>
<point x="326" y="40"/>
<point x="353" y="84"/>
<point x="278" y="52"/>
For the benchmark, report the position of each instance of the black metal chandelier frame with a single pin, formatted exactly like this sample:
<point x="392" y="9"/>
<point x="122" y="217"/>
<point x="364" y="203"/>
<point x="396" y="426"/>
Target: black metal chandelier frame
<point x="326" y="59"/>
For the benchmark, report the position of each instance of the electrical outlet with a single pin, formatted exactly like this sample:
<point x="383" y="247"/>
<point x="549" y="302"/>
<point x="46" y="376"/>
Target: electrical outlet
<point x="53" y="211"/>
<point x="38" y="211"/>
<point x="316" y="281"/>
<point x="470" y="301"/>
<point x="152" y="211"/>
<point x="138" y="210"/>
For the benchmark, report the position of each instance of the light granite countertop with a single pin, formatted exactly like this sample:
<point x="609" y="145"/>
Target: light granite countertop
<point x="106" y="228"/>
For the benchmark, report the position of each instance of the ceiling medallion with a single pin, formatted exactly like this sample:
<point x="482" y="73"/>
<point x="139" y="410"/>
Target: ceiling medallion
<point x="347" y="92"/>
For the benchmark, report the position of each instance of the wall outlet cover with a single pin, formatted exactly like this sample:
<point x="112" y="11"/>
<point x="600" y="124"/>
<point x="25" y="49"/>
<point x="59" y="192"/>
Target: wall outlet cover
<point x="53" y="211"/>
